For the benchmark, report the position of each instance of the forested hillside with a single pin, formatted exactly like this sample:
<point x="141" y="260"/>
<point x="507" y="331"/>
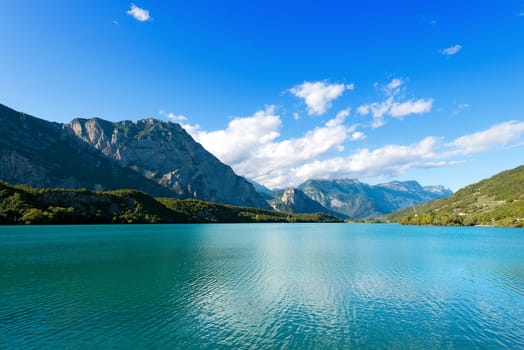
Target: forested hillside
<point x="498" y="201"/>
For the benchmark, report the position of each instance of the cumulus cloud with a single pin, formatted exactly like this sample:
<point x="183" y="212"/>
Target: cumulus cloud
<point x="173" y="117"/>
<point x="395" y="159"/>
<point x="343" y="114"/>
<point x="393" y="88"/>
<point x="399" y="110"/>
<point x="450" y="51"/>
<point x="140" y="14"/>
<point x="253" y="147"/>
<point x="319" y="95"/>
<point x="242" y="138"/>
<point x="378" y="110"/>
<point x="358" y="135"/>
<point x="389" y="159"/>
<point x="392" y="107"/>
<point x="499" y="135"/>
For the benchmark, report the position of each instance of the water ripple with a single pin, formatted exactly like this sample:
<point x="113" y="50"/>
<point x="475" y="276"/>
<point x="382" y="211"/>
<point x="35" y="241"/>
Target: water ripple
<point x="261" y="286"/>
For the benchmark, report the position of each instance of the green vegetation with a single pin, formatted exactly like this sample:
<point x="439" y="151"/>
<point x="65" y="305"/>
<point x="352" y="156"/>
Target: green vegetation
<point x="497" y="201"/>
<point x="25" y="205"/>
<point x="199" y="211"/>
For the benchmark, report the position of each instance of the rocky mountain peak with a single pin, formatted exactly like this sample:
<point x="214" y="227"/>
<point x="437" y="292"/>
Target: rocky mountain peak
<point x="165" y="153"/>
<point x="360" y="200"/>
<point x="292" y="200"/>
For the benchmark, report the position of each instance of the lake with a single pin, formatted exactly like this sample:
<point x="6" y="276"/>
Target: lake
<point x="286" y="286"/>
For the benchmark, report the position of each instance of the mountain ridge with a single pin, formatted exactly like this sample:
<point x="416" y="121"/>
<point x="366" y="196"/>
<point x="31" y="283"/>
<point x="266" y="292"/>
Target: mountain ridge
<point x="497" y="200"/>
<point x="359" y="200"/>
<point x="47" y="154"/>
<point x="42" y="154"/>
<point x="292" y="200"/>
<point x="165" y="153"/>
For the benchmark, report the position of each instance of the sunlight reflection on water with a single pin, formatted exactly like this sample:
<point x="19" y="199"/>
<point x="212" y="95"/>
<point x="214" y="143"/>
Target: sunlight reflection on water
<point x="268" y="285"/>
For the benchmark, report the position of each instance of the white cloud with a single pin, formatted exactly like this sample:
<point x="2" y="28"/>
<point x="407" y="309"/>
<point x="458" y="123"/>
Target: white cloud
<point x="460" y="107"/>
<point x="177" y="118"/>
<point x="140" y="14"/>
<point x="395" y="83"/>
<point x="393" y="88"/>
<point x="253" y="148"/>
<point x="358" y="135"/>
<point x="343" y="114"/>
<point x="450" y="51"/>
<point x="250" y="146"/>
<point x="173" y="117"/>
<point x="319" y="95"/>
<point x="242" y="138"/>
<point x="389" y="159"/>
<point x="378" y="110"/>
<point x="498" y="135"/>
<point x="392" y="107"/>
<point x="400" y="110"/>
<point x="395" y="159"/>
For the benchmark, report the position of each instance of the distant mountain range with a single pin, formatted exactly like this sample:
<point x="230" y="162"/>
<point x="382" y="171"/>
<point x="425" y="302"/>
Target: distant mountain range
<point x="350" y="198"/>
<point x="498" y="200"/>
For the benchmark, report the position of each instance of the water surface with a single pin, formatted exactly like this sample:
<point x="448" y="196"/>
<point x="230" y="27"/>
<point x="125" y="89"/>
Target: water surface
<point x="289" y="286"/>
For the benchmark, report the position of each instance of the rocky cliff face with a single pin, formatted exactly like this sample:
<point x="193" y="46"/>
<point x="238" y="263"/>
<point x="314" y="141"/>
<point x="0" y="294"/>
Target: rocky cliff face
<point x="165" y="153"/>
<point x="39" y="153"/>
<point x="292" y="200"/>
<point x="156" y="157"/>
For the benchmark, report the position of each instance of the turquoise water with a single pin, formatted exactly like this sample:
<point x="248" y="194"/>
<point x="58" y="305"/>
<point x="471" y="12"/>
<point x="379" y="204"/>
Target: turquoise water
<point x="288" y="286"/>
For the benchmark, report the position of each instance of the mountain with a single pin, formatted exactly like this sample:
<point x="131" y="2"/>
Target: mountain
<point x="43" y="154"/>
<point x="25" y="205"/>
<point x="265" y="192"/>
<point x="359" y="200"/>
<point x="152" y="156"/>
<point x="165" y="153"/>
<point x="439" y="190"/>
<point x="292" y="200"/>
<point x="402" y="194"/>
<point x="498" y="200"/>
<point x="161" y="159"/>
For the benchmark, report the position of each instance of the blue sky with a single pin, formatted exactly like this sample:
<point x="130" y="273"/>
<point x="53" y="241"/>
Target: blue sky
<point x="375" y="90"/>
